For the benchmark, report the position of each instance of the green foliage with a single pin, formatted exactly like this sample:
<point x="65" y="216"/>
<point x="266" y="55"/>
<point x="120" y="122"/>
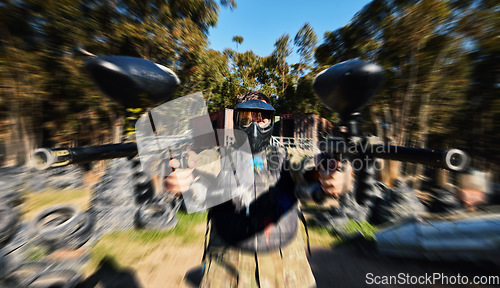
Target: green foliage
<point x="44" y="89"/>
<point x="129" y="246"/>
<point x="34" y="203"/>
<point x="440" y="58"/>
<point x="306" y="41"/>
<point x="319" y="236"/>
<point x="238" y="40"/>
<point x="36" y="253"/>
<point x="362" y="227"/>
<point x="185" y="229"/>
<point x="431" y="51"/>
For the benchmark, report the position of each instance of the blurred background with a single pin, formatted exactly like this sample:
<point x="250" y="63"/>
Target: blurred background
<point x="441" y="60"/>
<point x="442" y="82"/>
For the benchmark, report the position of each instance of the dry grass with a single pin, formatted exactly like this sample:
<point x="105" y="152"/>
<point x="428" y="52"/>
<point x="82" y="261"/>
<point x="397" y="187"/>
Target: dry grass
<point x="36" y="202"/>
<point x="154" y="257"/>
<point x="158" y="258"/>
<point x="129" y="247"/>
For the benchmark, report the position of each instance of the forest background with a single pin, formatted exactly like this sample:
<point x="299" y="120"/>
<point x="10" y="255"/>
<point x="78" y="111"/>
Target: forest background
<point x="441" y="59"/>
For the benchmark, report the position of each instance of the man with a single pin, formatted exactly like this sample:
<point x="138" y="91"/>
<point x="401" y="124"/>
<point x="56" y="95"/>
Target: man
<point x="253" y="239"/>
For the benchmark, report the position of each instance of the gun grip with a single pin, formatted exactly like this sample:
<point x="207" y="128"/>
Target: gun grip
<point x="317" y="194"/>
<point x="327" y="162"/>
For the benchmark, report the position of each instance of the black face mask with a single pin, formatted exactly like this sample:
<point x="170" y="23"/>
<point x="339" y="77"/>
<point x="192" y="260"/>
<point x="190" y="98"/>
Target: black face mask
<point x="258" y="137"/>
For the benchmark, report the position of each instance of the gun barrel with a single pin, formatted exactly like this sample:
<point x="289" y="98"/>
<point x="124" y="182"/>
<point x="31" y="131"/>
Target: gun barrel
<point x="45" y="158"/>
<point x="452" y="159"/>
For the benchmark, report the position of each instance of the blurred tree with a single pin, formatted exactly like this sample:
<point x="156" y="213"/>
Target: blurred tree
<point x="49" y="98"/>
<point x="441" y="61"/>
<point x="305" y="40"/>
<point x="425" y="61"/>
<point x="302" y="99"/>
<point x="238" y="40"/>
<point x="33" y="51"/>
<point x="478" y="122"/>
<point x="282" y="50"/>
<point x="69" y="111"/>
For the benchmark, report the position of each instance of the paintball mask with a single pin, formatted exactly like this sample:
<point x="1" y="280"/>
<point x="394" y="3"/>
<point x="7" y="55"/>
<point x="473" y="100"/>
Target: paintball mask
<point x="256" y="119"/>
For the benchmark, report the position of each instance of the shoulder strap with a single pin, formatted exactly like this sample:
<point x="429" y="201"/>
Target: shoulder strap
<point x="303" y="219"/>
<point x="205" y="245"/>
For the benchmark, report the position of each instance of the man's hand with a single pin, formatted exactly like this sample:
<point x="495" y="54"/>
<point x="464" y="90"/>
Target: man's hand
<point x="334" y="182"/>
<point x="180" y="180"/>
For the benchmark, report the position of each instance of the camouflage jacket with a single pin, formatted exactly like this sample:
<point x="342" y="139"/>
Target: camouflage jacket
<point x="270" y="220"/>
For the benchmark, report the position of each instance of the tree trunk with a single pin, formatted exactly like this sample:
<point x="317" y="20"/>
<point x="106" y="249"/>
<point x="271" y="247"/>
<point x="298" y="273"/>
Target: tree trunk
<point x="117" y="130"/>
<point x="30" y="138"/>
<point x="424" y="112"/>
<point x="395" y="135"/>
<point x="385" y="173"/>
<point x="12" y="147"/>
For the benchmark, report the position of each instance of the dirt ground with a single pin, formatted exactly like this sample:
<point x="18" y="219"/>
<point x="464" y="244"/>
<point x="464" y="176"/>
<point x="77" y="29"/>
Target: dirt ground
<point x="346" y="266"/>
<point x="341" y="266"/>
<point x="174" y="263"/>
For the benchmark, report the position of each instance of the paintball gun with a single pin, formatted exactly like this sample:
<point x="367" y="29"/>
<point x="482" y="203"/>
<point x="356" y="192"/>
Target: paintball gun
<point x="166" y="132"/>
<point x="132" y="82"/>
<point x="345" y="88"/>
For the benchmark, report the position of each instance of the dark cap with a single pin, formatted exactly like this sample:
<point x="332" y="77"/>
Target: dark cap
<point x="254" y="105"/>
